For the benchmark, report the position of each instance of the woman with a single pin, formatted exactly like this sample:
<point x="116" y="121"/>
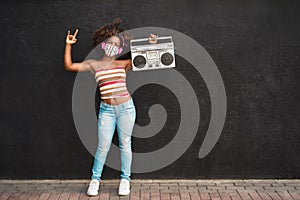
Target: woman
<point x="116" y="107"/>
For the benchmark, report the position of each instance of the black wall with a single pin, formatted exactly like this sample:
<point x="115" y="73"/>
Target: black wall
<point x="255" y="44"/>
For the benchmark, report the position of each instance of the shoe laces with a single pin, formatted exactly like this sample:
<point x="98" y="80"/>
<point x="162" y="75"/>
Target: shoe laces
<point x="124" y="183"/>
<point x="94" y="183"/>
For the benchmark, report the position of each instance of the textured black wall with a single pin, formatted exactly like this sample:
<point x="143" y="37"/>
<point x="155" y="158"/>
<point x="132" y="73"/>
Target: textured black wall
<point x="255" y="44"/>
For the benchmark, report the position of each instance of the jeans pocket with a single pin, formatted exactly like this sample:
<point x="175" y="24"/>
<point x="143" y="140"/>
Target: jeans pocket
<point x="130" y="109"/>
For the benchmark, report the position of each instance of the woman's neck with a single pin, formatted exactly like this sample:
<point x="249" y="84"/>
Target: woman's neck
<point x="108" y="58"/>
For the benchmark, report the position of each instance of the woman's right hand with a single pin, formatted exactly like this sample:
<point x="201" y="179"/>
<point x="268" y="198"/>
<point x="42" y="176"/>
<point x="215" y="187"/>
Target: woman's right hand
<point x="71" y="39"/>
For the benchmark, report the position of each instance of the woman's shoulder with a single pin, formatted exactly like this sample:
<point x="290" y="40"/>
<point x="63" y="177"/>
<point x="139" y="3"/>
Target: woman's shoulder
<point x="93" y="63"/>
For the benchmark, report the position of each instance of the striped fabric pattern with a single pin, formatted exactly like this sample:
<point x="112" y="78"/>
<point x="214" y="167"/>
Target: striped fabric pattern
<point x="112" y="82"/>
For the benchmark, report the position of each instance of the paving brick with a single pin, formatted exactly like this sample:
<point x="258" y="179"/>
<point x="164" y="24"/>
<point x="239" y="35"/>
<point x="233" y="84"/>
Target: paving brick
<point x="184" y="195"/>
<point x="153" y="190"/>
<point x="262" y="184"/>
<point x="44" y="196"/>
<point x="254" y="188"/>
<point x="155" y="195"/>
<point x="206" y="184"/>
<point x="144" y="188"/>
<point x="264" y="195"/>
<point x="135" y="184"/>
<point x="193" y="188"/>
<point x="34" y="196"/>
<point x="127" y="197"/>
<point x="164" y="196"/>
<point x="113" y="198"/>
<point x="215" y="188"/>
<point x="5" y="195"/>
<point x="225" y="184"/>
<point x="10" y="188"/>
<point x="202" y="188"/>
<point x="204" y="195"/>
<point x="74" y="196"/>
<point x="259" y="181"/>
<point x="254" y="195"/>
<point x="295" y="195"/>
<point x="168" y="184"/>
<point x="287" y="188"/>
<point x="164" y="189"/>
<point x="24" y="196"/>
<point x="287" y="180"/>
<point x="64" y="196"/>
<point x="187" y="184"/>
<point x="14" y="196"/>
<point x="278" y="184"/>
<point x="134" y="195"/>
<point x="234" y="195"/>
<point x="186" y="190"/>
<point x="177" y="187"/>
<point x="224" y="195"/>
<point x="174" y="196"/>
<point x="113" y="192"/>
<point x="195" y="196"/>
<point x="244" y="195"/>
<point x="285" y="195"/>
<point x="173" y="190"/>
<point x="292" y="184"/>
<point x="227" y="191"/>
<point x="145" y="195"/>
<point x="274" y="195"/>
<point x="214" y="195"/>
<point x="279" y="188"/>
<point x="243" y="184"/>
<point x="157" y="187"/>
<point x="84" y="196"/>
<point x="135" y="189"/>
<point x="54" y="196"/>
<point x="235" y="188"/>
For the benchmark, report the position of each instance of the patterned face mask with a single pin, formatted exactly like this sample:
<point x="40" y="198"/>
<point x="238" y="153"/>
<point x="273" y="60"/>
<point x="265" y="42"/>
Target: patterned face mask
<point x="111" y="50"/>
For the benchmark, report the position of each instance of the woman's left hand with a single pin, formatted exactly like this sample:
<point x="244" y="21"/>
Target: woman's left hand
<point x="153" y="38"/>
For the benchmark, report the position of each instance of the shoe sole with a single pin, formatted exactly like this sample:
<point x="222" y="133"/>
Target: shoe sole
<point x="92" y="194"/>
<point x="124" y="194"/>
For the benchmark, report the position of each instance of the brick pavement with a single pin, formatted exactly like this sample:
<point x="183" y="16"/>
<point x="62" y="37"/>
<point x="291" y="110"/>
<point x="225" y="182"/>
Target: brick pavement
<point x="153" y="189"/>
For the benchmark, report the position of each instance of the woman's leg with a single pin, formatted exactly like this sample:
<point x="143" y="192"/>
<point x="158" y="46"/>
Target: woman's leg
<point x="125" y="124"/>
<point x="106" y="129"/>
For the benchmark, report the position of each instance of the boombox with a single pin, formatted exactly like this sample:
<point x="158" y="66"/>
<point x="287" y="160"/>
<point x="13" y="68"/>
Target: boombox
<point x="147" y="56"/>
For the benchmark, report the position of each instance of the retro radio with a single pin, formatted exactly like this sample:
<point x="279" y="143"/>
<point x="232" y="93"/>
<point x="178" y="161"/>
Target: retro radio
<point x="147" y="56"/>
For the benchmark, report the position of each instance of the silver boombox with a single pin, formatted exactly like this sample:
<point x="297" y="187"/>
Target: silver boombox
<point x="147" y="56"/>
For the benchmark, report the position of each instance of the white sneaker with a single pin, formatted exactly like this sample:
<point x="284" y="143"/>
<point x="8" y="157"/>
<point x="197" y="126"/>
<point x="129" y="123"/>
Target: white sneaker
<point x="93" y="188"/>
<point x="124" y="187"/>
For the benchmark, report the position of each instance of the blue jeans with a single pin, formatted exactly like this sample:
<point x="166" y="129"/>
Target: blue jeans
<point x="123" y="115"/>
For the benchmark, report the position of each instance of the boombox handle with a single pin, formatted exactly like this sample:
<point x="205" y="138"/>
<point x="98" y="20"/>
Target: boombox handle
<point x="146" y="39"/>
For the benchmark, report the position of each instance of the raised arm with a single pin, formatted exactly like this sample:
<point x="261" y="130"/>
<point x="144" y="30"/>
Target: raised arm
<point x="68" y="64"/>
<point x="152" y="40"/>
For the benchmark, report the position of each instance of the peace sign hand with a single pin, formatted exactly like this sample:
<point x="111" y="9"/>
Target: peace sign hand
<point x="71" y="39"/>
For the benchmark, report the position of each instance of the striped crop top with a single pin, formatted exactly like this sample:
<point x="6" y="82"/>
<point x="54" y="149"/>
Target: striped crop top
<point x="112" y="82"/>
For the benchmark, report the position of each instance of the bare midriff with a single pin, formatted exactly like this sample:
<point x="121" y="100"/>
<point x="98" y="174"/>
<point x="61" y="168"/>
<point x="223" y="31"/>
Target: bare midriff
<point x="116" y="101"/>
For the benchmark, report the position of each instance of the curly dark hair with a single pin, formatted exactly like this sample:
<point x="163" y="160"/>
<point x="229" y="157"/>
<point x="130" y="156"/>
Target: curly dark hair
<point x="112" y="29"/>
<point x="108" y="30"/>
